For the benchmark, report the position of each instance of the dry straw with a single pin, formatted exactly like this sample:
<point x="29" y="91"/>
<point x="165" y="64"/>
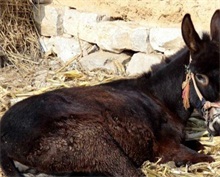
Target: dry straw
<point x="28" y="73"/>
<point x="18" y="37"/>
<point x="18" y="41"/>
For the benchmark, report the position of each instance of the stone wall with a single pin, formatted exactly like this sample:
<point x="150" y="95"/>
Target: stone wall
<point x="103" y="40"/>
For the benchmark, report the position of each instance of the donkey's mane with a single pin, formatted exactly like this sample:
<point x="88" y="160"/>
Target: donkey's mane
<point x="165" y="62"/>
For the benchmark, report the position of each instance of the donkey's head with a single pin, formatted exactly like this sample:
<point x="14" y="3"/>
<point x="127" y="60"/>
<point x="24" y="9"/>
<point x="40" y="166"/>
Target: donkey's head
<point x="203" y="70"/>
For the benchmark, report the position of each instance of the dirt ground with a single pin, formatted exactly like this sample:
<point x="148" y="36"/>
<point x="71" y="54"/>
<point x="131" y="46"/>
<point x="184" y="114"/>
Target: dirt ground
<point x="166" y="13"/>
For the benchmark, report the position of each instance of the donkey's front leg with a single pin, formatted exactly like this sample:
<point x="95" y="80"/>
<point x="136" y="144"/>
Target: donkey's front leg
<point x="181" y="154"/>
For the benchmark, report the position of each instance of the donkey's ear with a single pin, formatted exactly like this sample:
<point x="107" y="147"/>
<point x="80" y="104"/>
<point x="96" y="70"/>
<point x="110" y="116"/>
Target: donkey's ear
<point x="215" y="26"/>
<point x="190" y="36"/>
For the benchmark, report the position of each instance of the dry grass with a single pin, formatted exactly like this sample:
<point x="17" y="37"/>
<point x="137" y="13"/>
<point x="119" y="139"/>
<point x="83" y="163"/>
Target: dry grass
<point x="18" y="37"/>
<point x="28" y="73"/>
<point x="19" y="46"/>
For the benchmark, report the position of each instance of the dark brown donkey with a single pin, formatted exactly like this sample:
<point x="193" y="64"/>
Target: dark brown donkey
<point x="111" y="129"/>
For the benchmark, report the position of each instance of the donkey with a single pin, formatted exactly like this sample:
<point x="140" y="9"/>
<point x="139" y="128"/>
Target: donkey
<point x="112" y="128"/>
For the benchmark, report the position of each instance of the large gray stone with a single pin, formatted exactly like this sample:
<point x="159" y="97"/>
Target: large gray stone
<point x="105" y="60"/>
<point x="141" y="62"/>
<point x="49" y="19"/>
<point x="65" y="47"/>
<point x="82" y="24"/>
<point x="118" y="36"/>
<point x="166" y="40"/>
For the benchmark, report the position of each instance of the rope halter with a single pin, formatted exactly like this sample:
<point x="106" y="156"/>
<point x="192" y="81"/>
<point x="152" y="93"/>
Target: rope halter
<point x="203" y="105"/>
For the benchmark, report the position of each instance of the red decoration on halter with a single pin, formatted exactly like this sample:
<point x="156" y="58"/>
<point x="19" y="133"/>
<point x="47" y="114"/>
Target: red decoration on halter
<point x="186" y="88"/>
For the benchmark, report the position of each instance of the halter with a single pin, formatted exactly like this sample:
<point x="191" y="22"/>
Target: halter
<point x="203" y="104"/>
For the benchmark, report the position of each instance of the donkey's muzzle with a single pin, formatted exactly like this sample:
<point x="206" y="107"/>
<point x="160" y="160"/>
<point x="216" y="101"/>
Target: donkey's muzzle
<point x="213" y="121"/>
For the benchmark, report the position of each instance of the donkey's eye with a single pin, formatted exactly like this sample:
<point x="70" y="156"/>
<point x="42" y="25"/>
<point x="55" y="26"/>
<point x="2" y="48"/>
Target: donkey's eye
<point x="202" y="79"/>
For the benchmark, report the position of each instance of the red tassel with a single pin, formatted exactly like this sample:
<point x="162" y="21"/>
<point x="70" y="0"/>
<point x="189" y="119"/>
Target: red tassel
<point x="185" y="96"/>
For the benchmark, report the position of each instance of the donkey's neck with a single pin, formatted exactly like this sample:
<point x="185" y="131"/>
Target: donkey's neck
<point x="166" y="84"/>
